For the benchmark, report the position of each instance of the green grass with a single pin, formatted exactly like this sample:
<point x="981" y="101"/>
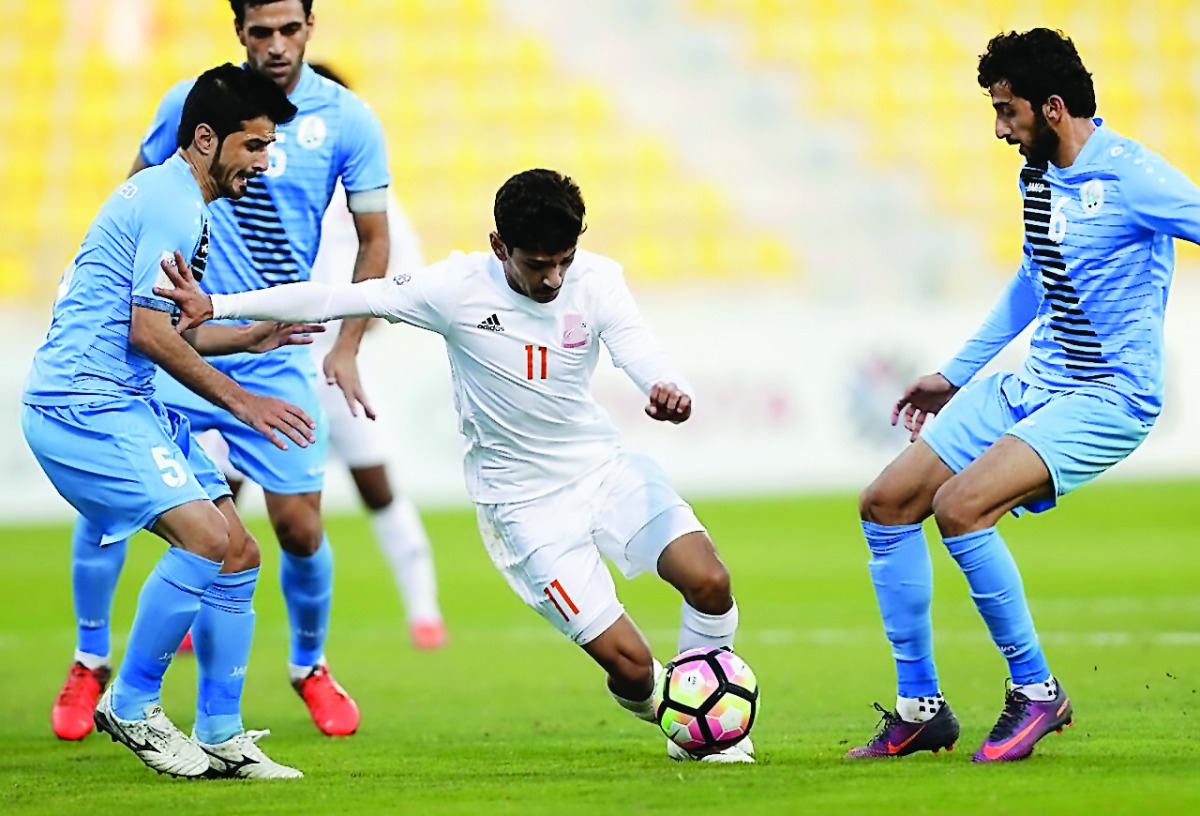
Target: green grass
<point x="511" y="719"/>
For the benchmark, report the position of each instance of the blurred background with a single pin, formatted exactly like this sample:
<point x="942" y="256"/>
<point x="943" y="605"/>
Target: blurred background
<point x="807" y="196"/>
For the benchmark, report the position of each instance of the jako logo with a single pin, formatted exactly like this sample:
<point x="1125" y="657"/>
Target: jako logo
<point x="1036" y="187"/>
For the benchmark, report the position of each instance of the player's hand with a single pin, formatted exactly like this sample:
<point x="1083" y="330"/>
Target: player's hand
<point x="269" y="415"/>
<point x="341" y="369"/>
<point x="669" y="404"/>
<point x="925" y="397"/>
<point x="195" y="306"/>
<point x="266" y="335"/>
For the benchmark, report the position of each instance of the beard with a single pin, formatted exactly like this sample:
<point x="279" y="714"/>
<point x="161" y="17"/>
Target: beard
<point x="226" y="177"/>
<point x="1045" y="141"/>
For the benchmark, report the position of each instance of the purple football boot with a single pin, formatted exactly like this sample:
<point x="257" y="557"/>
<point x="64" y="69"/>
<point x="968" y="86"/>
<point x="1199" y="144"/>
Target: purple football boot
<point x="1022" y="723"/>
<point x="897" y="737"/>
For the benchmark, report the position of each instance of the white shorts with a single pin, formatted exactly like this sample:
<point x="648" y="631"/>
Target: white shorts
<point x="357" y="441"/>
<point x="549" y="549"/>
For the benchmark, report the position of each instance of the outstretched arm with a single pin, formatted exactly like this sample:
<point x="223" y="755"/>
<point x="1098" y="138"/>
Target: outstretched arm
<point x="318" y="302"/>
<point x="426" y="299"/>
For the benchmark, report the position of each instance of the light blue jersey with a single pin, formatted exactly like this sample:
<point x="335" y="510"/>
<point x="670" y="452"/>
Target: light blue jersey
<point x="271" y="234"/>
<point x="87" y="351"/>
<point x="1098" y="260"/>
<point x="116" y="453"/>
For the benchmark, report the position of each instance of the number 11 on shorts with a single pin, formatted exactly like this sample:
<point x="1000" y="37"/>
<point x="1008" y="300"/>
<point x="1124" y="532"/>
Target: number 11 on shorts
<point x="562" y="593"/>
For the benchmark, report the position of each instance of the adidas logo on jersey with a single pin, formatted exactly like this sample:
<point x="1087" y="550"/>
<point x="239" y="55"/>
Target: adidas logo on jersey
<point x="492" y="323"/>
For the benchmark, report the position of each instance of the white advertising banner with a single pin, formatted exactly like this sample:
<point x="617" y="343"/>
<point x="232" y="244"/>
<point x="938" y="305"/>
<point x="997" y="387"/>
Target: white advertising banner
<point x="789" y="397"/>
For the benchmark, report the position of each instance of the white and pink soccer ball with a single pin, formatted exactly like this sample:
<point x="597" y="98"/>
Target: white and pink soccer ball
<point x="706" y="700"/>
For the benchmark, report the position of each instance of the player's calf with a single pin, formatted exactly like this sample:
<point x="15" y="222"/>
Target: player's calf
<point x="624" y="654"/>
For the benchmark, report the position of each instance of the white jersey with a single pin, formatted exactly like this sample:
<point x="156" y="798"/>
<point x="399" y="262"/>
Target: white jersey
<point x="339" y="251"/>
<point x="521" y="370"/>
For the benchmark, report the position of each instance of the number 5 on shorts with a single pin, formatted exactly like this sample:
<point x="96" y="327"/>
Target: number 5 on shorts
<point x="172" y="471"/>
<point x="566" y="598"/>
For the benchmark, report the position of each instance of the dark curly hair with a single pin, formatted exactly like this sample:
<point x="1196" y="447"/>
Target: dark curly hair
<point x="1038" y="64"/>
<point x="540" y="211"/>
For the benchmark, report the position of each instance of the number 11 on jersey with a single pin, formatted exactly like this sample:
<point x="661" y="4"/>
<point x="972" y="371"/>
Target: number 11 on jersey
<point x="529" y="361"/>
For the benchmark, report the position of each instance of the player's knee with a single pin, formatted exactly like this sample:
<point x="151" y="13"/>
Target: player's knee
<point x="243" y="553"/>
<point x="879" y="504"/>
<point x="376" y="498"/>
<point x="953" y="510"/>
<point x="300" y="533"/>
<point x="888" y="503"/>
<point x="709" y="590"/>
<point x="209" y="541"/>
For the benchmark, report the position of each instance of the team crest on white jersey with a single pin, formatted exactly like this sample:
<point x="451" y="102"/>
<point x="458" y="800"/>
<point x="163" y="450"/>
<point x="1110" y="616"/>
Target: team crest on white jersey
<point x="575" y="331"/>
<point x="311" y="132"/>
<point x="1091" y="197"/>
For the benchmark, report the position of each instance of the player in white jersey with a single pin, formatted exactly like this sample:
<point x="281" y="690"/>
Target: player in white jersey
<point x="554" y="490"/>
<point x="355" y="438"/>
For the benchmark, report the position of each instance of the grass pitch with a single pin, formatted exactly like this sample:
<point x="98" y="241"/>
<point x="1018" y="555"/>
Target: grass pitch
<point x="511" y="719"/>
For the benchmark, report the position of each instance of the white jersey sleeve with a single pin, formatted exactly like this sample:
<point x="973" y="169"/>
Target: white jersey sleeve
<point x="426" y="299"/>
<point x="633" y="347"/>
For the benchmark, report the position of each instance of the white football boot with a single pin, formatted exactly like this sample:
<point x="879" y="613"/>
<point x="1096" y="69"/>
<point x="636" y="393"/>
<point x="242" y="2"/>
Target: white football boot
<point x="155" y="740"/>
<point x="240" y="757"/>
<point x="742" y="752"/>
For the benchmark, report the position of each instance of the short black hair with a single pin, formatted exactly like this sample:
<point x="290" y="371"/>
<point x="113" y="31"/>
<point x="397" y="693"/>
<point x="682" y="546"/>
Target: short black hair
<point x="1038" y="64"/>
<point x="226" y="97"/>
<point x="239" y="7"/>
<point x="321" y="69"/>
<point x="540" y="211"/>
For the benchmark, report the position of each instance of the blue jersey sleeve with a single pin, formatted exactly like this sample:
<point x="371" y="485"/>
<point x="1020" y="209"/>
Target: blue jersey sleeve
<point x="1161" y="198"/>
<point x="162" y="137"/>
<point x="165" y="222"/>
<point x="1014" y="311"/>
<point x="362" y="151"/>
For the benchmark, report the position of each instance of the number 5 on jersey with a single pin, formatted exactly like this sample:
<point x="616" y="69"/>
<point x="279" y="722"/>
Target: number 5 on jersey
<point x="529" y="367"/>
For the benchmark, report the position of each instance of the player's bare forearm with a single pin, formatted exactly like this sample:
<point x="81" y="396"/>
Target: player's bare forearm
<point x="151" y="333"/>
<point x="374" y="248"/>
<point x="218" y="340"/>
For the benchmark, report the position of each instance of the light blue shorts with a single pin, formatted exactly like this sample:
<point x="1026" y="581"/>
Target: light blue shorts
<point x="121" y="461"/>
<point x="1078" y="434"/>
<point x="289" y="377"/>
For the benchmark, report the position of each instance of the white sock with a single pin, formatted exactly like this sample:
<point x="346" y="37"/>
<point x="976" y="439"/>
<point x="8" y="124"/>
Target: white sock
<point x="642" y="709"/>
<point x="406" y="547"/>
<point x="1042" y="692"/>
<point x="919" y="709"/>
<point x="92" y="661"/>
<point x="700" y="631"/>
<point x="300" y="672"/>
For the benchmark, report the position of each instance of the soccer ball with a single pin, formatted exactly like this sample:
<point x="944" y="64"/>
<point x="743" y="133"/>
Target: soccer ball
<point x="706" y="700"/>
